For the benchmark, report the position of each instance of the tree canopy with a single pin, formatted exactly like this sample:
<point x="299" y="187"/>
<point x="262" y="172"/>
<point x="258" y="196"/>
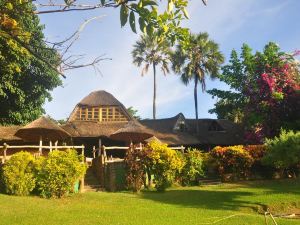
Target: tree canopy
<point x="26" y="80"/>
<point x="264" y="91"/>
<point x="201" y="58"/>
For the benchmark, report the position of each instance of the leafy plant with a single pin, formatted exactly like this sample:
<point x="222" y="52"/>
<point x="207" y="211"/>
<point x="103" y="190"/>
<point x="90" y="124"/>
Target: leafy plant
<point x="264" y="91"/>
<point x="58" y="173"/>
<point x="193" y="167"/>
<point x="135" y="161"/>
<point x="164" y="164"/>
<point x="232" y="159"/>
<point x="283" y="151"/>
<point x="18" y="174"/>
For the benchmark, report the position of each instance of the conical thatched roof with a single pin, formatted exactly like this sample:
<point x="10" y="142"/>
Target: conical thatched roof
<point x="132" y="131"/>
<point x="42" y="127"/>
<point x="99" y="98"/>
<point x="148" y="140"/>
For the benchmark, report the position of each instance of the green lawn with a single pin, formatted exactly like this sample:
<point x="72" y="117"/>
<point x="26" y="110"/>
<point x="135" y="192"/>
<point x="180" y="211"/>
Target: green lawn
<point x="240" y="203"/>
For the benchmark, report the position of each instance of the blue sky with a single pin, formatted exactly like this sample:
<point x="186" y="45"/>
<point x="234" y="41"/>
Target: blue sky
<point x="228" y="22"/>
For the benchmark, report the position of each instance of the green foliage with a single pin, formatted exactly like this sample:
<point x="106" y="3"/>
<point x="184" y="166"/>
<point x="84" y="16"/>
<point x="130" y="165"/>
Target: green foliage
<point x="165" y="25"/>
<point x="18" y="174"/>
<point x="26" y="80"/>
<point x="193" y="167"/>
<point x="164" y="164"/>
<point x="133" y="112"/>
<point x="58" y="173"/>
<point x="232" y="159"/>
<point x="151" y="51"/>
<point x="283" y="151"/>
<point x="194" y="62"/>
<point x="264" y="91"/>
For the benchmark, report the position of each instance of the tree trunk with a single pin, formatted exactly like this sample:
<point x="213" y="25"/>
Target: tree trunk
<point x="196" y="102"/>
<point x="154" y="91"/>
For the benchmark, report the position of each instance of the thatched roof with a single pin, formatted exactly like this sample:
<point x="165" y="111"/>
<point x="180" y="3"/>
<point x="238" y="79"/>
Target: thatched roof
<point x="7" y="134"/>
<point x="132" y="131"/>
<point x="164" y="130"/>
<point x="92" y="128"/>
<point x="42" y="127"/>
<point x="230" y="133"/>
<point x="99" y="98"/>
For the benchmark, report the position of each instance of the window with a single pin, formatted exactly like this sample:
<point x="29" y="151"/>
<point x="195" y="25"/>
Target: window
<point x="215" y="126"/>
<point x="100" y="114"/>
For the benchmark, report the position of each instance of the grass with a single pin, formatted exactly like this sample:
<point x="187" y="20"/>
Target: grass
<point x="226" y="204"/>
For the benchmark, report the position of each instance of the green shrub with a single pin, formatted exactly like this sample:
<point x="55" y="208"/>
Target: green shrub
<point x="57" y="174"/>
<point x="193" y="167"/>
<point x="164" y="164"/>
<point x="283" y="151"/>
<point x="18" y="174"/>
<point x="233" y="160"/>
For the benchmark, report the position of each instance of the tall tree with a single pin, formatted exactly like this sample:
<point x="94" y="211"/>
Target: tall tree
<point x="264" y="91"/>
<point x="150" y="50"/>
<point x="25" y="80"/>
<point x="194" y="62"/>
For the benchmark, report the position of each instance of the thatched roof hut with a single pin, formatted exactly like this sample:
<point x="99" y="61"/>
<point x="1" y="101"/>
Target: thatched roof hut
<point x="42" y="128"/>
<point x="100" y="106"/>
<point x="133" y="131"/>
<point x="97" y="115"/>
<point x="7" y="134"/>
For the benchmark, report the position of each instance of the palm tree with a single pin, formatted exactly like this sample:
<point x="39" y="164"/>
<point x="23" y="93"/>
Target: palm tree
<point x="150" y="51"/>
<point x="199" y="59"/>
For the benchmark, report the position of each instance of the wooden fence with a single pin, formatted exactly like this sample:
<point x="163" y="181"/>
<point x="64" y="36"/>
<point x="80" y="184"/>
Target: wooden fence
<point x="6" y="149"/>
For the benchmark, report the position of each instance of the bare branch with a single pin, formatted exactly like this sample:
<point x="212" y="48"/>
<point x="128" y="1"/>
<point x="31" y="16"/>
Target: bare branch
<point x="76" y="34"/>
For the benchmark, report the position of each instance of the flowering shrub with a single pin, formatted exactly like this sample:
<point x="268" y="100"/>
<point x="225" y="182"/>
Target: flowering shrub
<point x="164" y="164"/>
<point x="273" y="97"/>
<point x="18" y="174"/>
<point x="193" y="166"/>
<point x="256" y="151"/>
<point x="232" y="159"/>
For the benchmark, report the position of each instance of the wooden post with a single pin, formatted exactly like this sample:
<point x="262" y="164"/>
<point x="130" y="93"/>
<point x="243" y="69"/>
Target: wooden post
<point x="4" y="152"/>
<point x="182" y="149"/>
<point x="141" y="146"/>
<point x="104" y="152"/>
<point x="41" y="144"/>
<point x="82" y="153"/>
<point x="94" y="152"/>
<point x="100" y="146"/>
<point x="50" y="145"/>
<point x="56" y="145"/>
<point x="82" y="179"/>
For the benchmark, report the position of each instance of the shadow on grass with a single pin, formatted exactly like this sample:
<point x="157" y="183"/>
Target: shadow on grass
<point x="218" y="200"/>
<point x="277" y="186"/>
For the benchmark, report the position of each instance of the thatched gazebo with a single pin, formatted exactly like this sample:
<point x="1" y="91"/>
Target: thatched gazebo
<point x="42" y="129"/>
<point x="133" y="131"/>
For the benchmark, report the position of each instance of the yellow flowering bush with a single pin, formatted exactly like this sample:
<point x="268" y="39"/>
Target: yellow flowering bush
<point x="164" y="164"/>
